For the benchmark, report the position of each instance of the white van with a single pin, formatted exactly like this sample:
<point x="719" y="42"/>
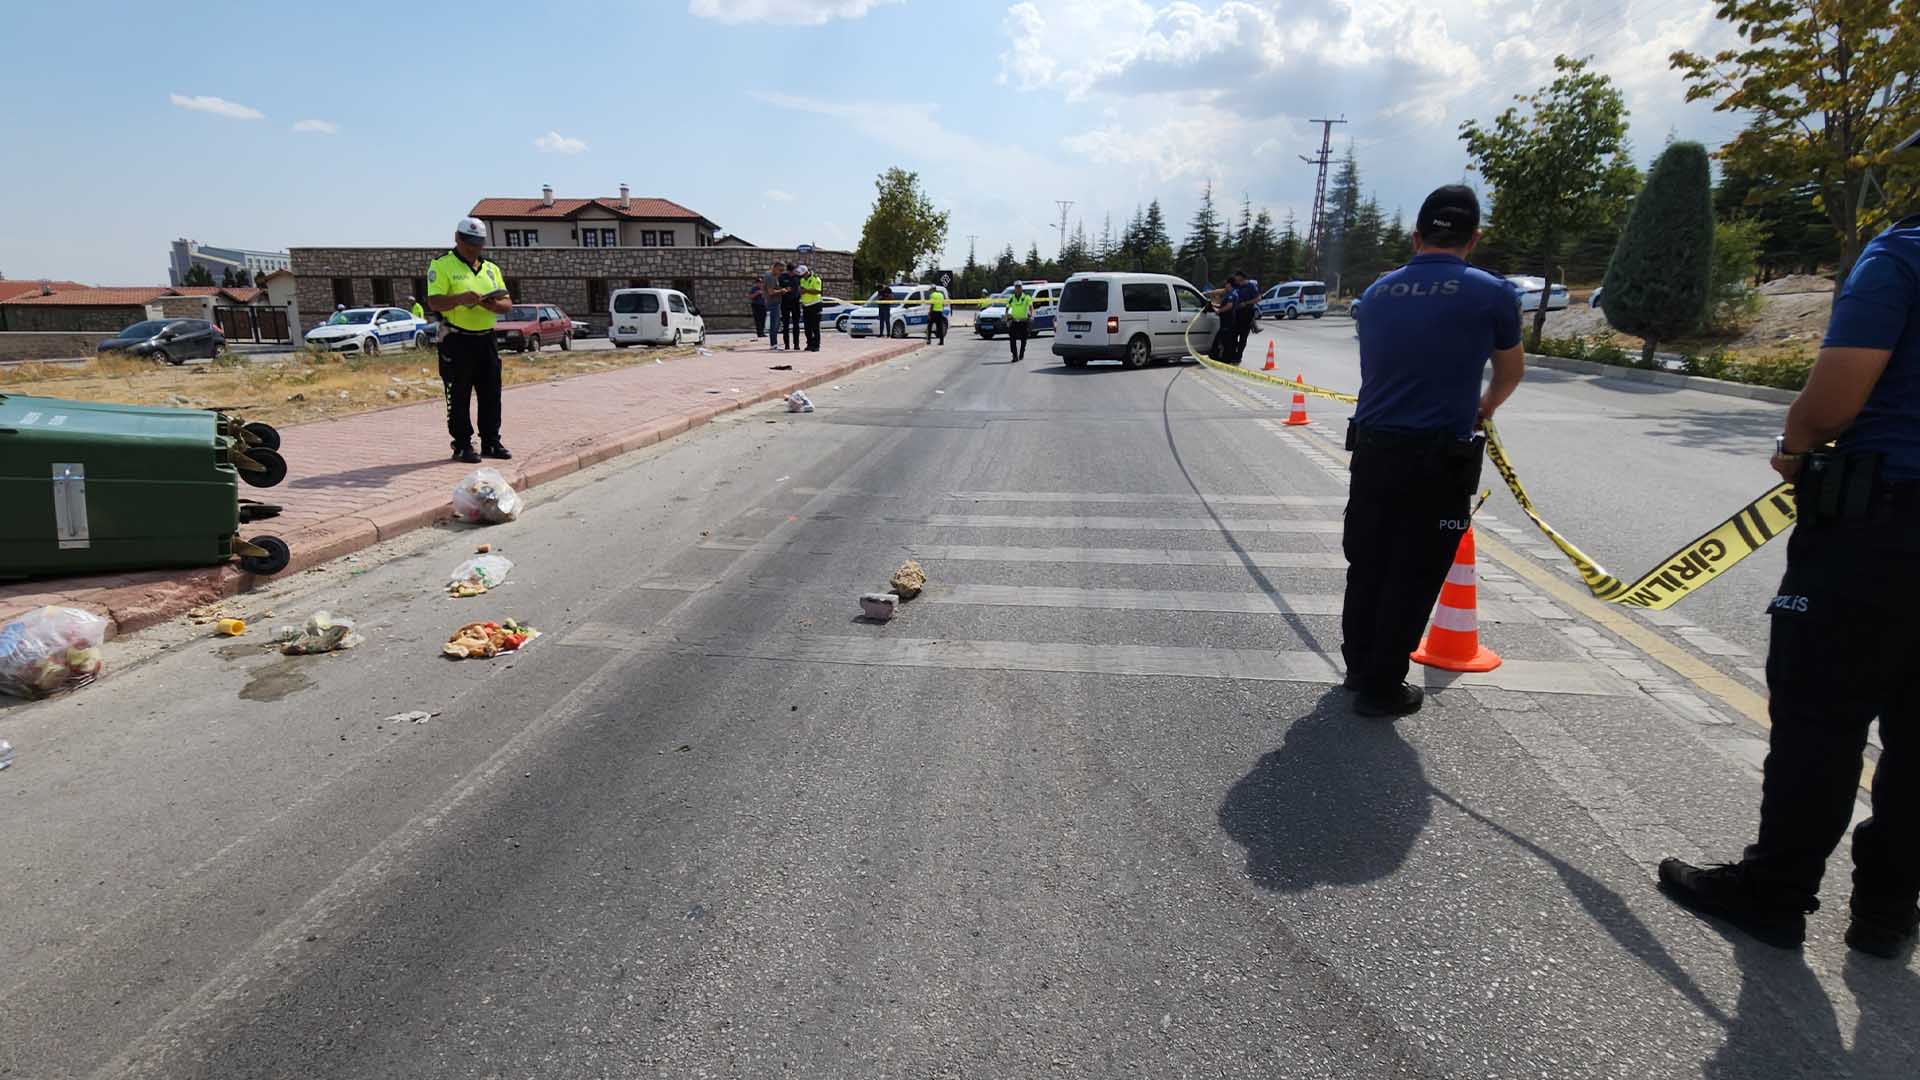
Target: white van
<point x="654" y="317"/>
<point x="907" y="313"/>
<point x="1292" y="299"/>
<point x="1134" y="318"/>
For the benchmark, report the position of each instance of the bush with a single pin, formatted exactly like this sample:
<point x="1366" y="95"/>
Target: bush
<point x="1731" y="301"/>
<point x="1658" y="282"/>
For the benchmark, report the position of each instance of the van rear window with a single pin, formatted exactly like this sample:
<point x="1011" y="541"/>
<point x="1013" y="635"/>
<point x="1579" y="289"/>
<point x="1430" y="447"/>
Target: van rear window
<point x="636" y="303"/>
<point x="1146" y="296"/>
<point x="1086" y="295"/>
<point x="1314" y="290"/>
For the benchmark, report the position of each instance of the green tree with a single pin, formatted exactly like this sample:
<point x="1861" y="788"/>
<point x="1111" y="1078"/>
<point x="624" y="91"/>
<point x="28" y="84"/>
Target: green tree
<point x="1796" y="236"/>
<point x="1075" y="255"/>
<point x="1036" y="265"/>
<point x="1260" y="248"/>
<point x="1202" y="244"/>
<point x="1287" y="254"/>
<point x="902" y="230"/>
<point x="1830" y="88"/>
<point x="1149" y="248"/>
<point x="1658" y="283"/>
<point x="1731" y="299"/>
<point x="197" y="274"/>
<point x="1361" y="247"/>
<point x="1005" y="269"/>
<point x="1103" y="255"/>
<point x="1395" y="245"/>
<point x="972" y="277"/>
<point x="1343" y="207"/>
<point x="1551" y="166"/>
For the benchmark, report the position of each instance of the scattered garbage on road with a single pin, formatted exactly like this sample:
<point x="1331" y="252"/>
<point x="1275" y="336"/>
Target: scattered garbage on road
<point x="230" y="627"/>
<point x="6" y="753"/>
<point x="50" y="650"/>
<point x="485" y="496"/>
<point x="908" y="580"/>
<point x="485" y="640"/>
<point x="780" y="367"/>
<point x="323" y="633"/>
<point x="879" y="606"/>
<point x="798" y="401"/>
<point x="417" y="716"/>
<point x="478" y="574"/>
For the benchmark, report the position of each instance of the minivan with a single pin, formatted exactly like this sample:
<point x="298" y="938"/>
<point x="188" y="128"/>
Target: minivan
<point x="1133" y="318"/>
<point x="1292" y="299"/>
<point x="654" y="317"/>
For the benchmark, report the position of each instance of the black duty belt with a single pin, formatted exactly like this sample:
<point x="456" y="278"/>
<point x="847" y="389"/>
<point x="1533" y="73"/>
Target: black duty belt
<point x="1387" y="439"/>
<point x="449" y="328"/>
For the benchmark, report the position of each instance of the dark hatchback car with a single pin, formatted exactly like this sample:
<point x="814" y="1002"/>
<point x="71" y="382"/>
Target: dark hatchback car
<point x="173" y="340"/>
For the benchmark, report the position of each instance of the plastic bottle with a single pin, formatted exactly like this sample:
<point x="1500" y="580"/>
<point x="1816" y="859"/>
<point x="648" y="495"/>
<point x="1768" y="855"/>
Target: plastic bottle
<point x="6" y="753"/>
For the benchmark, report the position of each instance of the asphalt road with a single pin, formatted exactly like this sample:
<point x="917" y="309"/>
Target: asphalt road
<point x="1091" y="806"/>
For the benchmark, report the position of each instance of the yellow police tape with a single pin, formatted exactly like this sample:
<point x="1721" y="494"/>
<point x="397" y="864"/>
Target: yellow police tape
<point x="1677" y="576"/>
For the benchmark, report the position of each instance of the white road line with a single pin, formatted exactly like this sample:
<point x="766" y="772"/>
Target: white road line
<point x="1255" y="665"/>
<point x="1122" y="524"/>
<point x="1130" y="498"/>
<point x="1313" y="560"/>
<point x="1251" y="603"/>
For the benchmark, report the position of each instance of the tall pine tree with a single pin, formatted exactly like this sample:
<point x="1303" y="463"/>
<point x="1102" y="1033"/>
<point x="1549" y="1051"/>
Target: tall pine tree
<point x="1287" y="255"/>
<point x="1343" y="206"/>
<point x="1658" y="282"/>
<point x="1202" y="244"/>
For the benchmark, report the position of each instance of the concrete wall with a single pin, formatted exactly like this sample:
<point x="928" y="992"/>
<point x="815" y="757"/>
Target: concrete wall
<point x="94" y="318"/>
<point x="48" y="346"/>
<point x="560" y="275"/>
<point x="183" y="307"/>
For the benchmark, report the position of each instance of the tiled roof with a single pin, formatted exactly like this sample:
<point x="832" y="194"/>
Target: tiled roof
<point x="17" y="287"/>
<point x="108" y="297"/>
<point x="648" y="209"/>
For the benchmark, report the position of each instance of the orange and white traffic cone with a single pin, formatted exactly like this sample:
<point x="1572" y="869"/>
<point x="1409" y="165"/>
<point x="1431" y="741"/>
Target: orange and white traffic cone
<point x="1269" y="366"/>
<point x="1453" y="641"/>
<point x="1297" y="416"/>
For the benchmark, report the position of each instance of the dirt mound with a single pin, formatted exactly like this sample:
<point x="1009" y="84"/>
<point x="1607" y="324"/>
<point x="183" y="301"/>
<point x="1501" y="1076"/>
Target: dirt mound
<point x="1797" y="283"/>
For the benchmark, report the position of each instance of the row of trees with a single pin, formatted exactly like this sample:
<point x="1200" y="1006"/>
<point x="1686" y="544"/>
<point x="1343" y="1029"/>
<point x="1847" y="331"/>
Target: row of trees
<point x="229" y="277"/>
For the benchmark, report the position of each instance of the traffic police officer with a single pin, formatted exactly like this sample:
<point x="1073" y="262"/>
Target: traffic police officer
<point x="810" y="306"/>
<point x="937" y="312"/>
<point x="1237" y="312"/>
<point x="1845" y="630"/>
<point x="470" y="296"/>
<point x="415" y="309"/>
<point x="1019" y="313"/>
<point x="1431" y="327"/>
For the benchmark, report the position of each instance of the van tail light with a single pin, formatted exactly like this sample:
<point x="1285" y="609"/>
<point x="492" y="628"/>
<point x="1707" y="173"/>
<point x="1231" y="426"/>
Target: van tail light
<point x="1113" y="324"/>
<point x="663" y="316"/>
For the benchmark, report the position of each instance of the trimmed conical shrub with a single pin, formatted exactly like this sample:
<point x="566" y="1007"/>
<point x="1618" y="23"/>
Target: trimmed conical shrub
<point x="1660" y="279"/>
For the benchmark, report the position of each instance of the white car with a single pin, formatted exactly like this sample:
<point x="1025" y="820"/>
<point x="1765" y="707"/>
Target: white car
<point x="654" y="317"/>
<point x="906" y="313"/>
<point x="834" y="312"/>
<point x="1046" y="305"/>
<point x="1133" y="318"/>
<point x="368" y="330"/>
<point x="1529" y="288"/>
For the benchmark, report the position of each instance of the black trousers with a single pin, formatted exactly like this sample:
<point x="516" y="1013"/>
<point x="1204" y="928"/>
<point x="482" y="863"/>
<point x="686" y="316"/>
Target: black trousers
<point x="1406" y="509"/>
<point x="1844" y="638"/>
<point x="759" y="321"/>
<point x="811" y="318"/>
<point x="790" y="324"/>
<point x="937" y="324"/>
<point x="1017" y="338"/>
<point x="470" y="366"/>
<point x="1242" y="329"/>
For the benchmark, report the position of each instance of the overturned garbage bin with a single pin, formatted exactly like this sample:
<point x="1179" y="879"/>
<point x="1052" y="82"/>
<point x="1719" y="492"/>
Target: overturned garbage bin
<point x="87" y="487"/>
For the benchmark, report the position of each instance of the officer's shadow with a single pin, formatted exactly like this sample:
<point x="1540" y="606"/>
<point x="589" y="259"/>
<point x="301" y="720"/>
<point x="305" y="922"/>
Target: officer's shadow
<point x="1784" y="1023"/>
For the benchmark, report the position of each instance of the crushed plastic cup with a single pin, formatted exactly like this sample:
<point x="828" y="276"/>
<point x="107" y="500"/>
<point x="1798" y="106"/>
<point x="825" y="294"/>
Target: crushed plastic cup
<point x="230" y="627"/>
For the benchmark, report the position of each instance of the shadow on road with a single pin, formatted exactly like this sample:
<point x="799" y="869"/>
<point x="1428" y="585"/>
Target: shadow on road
<point x="1784" y="1023"/>
<point x="1340" y="803"/>
<point x="372" y="476"/>
<point x="1709" y="429"/>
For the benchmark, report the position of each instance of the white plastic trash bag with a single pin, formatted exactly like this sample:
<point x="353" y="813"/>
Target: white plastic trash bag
<point x="798" y="401"/>
<point x="478" y="574"/>
<point x="485" y="496"/>
<point x="323" y="633"/>
<point x="49" y="650"/>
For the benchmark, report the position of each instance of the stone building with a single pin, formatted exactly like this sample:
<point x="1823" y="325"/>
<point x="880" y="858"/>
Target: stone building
<point x="580" y="280"/>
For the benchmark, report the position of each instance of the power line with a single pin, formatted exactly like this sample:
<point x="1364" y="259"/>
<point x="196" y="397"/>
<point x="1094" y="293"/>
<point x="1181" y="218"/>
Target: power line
<point x="1064" y="205"/>
<point x="1319" y="189"/>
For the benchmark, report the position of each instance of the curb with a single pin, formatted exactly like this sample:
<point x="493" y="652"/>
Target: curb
<point x="152" y="597"/>
<point x="1699" y="383"/>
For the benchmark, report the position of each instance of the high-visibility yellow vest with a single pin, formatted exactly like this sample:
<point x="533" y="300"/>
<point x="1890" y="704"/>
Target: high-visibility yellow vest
<point x="1019" y="306"/>
<point x="449" y="275"/>
<point x="938" y="301"/>
<point x="418" y="311"/>
<point x="810" y="289"/>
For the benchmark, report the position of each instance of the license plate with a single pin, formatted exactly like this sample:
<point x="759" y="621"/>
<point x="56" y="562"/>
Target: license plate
<point x="1080" y="327"/>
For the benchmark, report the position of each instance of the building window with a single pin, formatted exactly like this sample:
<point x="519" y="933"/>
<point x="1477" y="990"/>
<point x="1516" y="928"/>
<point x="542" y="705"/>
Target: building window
<point x="523" y="237"/>
<point x="609" y="238"/>
<point x="639" y="283"/>
<point x="513" y="288"/>
<point x="596" y="295"/>
<point x="511" y="238"/>
<point x="590" y="238"/>
<point x="420" y="290"/>
<point x="649" y="238"/>
<point x="383" y="292"/>
<point x="666" y="237"/>
<point x="343" y="291"/>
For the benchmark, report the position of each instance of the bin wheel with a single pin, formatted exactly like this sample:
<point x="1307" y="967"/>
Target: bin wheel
<point x="275" y="465"/>
<point x="268" y="435"/>
<point x="275" y="560"/>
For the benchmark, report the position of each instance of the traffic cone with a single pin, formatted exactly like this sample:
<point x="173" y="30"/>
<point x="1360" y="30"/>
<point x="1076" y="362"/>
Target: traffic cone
<point x="1297" y="416"/>
<point x="1453" y="641"/>
<point x="1269" y="366"/>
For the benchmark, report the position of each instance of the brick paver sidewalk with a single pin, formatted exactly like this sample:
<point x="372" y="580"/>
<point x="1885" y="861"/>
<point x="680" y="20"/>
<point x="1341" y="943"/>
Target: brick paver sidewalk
<point x="360" y="479"/>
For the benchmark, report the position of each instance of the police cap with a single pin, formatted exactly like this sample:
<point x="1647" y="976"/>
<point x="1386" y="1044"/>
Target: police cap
<point x="1449" y="216"/>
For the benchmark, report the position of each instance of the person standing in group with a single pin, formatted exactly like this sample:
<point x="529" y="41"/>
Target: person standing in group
<point x="1019" y="317"/>
<point x="1244" y="299"/>
<point x="1431" y="328"/>
<point x="770" y="290"/>
<point x="1844" y="631"/>
<point x="937" y="312"/>
<point x="757" y="300"/>
<point x="810" y="306"/>
<point x="790" y="305"/>
<point x="414" y="308"/>
<point x="470" y="296"/>
<point x="339" y="315"/>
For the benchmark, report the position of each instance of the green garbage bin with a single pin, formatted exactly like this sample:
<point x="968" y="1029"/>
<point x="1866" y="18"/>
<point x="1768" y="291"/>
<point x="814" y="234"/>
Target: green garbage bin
<point x="89" y="487"/>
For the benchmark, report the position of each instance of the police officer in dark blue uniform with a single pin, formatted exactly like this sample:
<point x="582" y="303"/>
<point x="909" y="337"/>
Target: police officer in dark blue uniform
<point x="1846" y="629"/>
<point x="1431" y="327"/>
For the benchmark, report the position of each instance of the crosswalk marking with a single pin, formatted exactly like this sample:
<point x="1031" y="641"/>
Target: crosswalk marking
<point x="1312" y="560"/>
<point x="1251" y="603"/>
<point x="1135" y="498"/>
<point x="1123" y="524"/>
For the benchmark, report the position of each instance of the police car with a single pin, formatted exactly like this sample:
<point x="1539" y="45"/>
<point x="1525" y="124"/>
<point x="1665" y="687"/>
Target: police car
<point x="1046" y="306"/>
<point x="835" y="312"/>
<point x="1292" y="299"/>
<point x="906" y="314"/>
<point x="1529" y="289"/>
<point x="368" y="330"/>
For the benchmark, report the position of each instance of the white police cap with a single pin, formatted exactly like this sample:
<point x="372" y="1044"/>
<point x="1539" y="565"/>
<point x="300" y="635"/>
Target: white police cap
<point x="472" y="229"/>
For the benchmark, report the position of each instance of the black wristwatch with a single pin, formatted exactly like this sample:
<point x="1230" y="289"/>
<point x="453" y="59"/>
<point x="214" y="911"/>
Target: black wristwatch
<point x="1780" y="449"/>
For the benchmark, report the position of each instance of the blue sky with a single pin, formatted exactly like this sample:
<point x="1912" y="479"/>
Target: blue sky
<point x="359" y="123"/>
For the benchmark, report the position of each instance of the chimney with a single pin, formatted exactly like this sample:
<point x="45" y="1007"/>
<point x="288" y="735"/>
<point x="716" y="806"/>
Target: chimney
<point x="546" y="194"/>
<point x="46" y="288"/>
<point x="626" y="201"/>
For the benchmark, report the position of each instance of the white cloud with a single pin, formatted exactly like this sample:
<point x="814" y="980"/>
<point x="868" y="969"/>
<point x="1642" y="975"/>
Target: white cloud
<point x="779" y="196"/>
<point x="555" y="143"/>
<point x="317" y="127"/>
<point x="788" y="12"/>
<point x="232" y="110"/>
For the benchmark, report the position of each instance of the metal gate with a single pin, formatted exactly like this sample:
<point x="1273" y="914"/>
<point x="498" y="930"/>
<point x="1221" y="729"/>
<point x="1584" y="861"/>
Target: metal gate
<point x="252" y="323"/>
